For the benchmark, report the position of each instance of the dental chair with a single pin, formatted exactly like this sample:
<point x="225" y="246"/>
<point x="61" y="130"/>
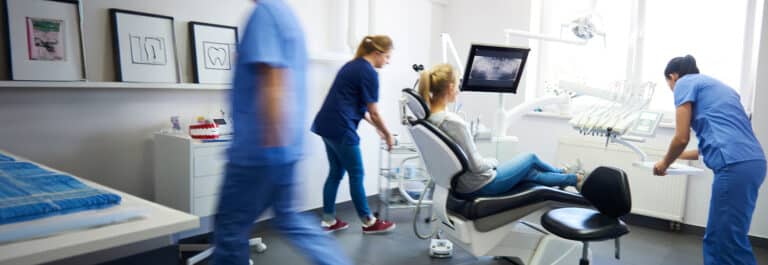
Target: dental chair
<point x="505" y="225"/>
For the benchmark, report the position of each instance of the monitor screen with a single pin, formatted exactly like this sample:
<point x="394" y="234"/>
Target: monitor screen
<point x="494" y="68"/>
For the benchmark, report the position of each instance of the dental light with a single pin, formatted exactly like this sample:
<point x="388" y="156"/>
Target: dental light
<point x="584" y="28"/>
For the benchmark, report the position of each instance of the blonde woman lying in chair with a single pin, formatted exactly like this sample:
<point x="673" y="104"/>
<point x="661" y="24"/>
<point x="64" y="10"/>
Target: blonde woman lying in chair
<point x="485" y="177"/>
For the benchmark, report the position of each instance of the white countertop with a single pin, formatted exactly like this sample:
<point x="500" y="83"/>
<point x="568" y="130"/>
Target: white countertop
<point x="159" y="221"/>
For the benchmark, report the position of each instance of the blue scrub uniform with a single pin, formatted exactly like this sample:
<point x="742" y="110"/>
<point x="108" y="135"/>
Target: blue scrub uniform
<point x="356" y="85"/>
<point x="731" y="150"/>
<point x="259" y="177"/>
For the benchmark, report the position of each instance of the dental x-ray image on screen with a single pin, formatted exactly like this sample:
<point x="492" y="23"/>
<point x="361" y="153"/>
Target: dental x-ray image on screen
<point x="494" y="68"/>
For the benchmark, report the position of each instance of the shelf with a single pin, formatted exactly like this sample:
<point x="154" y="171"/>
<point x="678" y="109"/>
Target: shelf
<point x="111" y="85"/>
<point x="330" y="57"/>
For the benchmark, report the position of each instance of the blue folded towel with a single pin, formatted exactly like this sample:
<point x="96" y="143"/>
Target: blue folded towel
<point x="29" y="192"/>
<point x="5" y="158"/>
<point x="21" y="169"/>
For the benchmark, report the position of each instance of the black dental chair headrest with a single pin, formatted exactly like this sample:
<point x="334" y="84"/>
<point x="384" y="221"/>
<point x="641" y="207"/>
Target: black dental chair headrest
<point x="416" y="104"/>
<point x="607" y="188"/>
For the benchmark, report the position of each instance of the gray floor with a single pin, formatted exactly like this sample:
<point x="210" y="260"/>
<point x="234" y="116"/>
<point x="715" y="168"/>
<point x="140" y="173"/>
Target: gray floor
<point x="642" y="246"/>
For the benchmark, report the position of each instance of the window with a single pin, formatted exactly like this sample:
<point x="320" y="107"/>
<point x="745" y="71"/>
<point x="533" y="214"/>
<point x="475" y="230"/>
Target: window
<point x="712" y="31"/>
<point x="713" y="34"/>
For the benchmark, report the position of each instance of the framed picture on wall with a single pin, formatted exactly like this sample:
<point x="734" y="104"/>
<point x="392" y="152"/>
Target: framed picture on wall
<point x="44" y="40"/>
<point x="144" y="46"/>
<point x="213" y="52"/>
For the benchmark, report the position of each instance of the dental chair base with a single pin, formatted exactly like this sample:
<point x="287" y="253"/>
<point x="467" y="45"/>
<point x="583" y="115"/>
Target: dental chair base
<point x="440" y="248"/>
<point x="523" y="240"/>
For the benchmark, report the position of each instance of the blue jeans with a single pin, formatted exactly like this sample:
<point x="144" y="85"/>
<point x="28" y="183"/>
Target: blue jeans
<point x="525" y="167"/>
<point x="245" y="194"/>
<point x="344" y="157"/>
<point x="734" y="193"/>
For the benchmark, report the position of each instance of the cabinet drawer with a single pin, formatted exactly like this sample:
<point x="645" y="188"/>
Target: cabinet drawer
<point x="204" y="206"/>
<point x="209" y="161"/>
<point x="207" y="185"/>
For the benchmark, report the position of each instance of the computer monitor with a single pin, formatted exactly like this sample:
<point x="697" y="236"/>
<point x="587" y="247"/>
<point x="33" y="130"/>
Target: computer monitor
<point x="494" y="68"/>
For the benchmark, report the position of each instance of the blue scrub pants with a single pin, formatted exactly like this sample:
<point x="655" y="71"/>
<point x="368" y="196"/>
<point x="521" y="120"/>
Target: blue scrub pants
<point x="344" y="157"/>
<point x="245" y="194"/>
<point x="734" y="193"/>
<point x="525" y="167"/>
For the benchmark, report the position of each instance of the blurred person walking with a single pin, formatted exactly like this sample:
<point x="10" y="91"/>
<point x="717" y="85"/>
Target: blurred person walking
<point x="268" y="102"/>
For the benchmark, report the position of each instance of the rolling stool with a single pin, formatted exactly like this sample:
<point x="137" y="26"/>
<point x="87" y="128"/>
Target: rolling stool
<point x="607" y="189"/>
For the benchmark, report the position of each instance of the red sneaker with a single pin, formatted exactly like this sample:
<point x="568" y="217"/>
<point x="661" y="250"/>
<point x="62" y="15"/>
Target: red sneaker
<point x="339" y="225"/>
<point x="379" y="227"/>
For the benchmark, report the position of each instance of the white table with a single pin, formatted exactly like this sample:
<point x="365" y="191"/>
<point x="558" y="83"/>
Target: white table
<point x="159" y="221"/>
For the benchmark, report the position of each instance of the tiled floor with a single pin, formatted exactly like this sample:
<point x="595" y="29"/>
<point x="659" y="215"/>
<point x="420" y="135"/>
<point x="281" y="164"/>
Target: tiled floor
<point x="642" y="246"/>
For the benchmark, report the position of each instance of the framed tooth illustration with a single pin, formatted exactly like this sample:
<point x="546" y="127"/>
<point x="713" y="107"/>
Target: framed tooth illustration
<point x="44" y="40"/>
<point x="213" y="52"/>
<point x="144" y="46"/>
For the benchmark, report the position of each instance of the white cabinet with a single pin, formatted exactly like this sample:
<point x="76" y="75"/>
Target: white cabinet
<point x="188" y="173"/>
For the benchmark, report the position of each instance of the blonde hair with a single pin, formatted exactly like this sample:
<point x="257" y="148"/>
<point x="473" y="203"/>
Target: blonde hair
<point x="433" y="83"/>
<point x="373" y="43"/>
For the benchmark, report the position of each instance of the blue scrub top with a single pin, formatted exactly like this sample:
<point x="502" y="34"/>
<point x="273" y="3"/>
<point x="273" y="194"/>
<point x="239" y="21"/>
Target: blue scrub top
<point x="273" y="36"/>
<point x="724" y="131"/>
<point x="356" y="85"/>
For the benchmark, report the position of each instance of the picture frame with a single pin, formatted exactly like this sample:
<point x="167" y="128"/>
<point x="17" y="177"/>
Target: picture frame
<point x="213" y="52"/>
<point x="45" y="41"/>
<point x="144" y="47"/>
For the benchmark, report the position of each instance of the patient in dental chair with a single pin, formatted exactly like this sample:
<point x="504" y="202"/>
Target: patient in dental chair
<point x="485" y="176"/>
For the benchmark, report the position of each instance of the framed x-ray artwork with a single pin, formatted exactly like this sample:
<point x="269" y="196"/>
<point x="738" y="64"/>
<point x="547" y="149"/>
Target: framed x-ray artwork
<point x="44" y="40"/>
<point x="213" y="52"/>
<point x="144" y="47"/>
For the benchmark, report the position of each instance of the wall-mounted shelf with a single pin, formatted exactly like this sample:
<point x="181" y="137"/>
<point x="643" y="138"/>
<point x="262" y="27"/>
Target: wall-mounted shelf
<point x="110" y="85"/>
<point x="329" y="57"/>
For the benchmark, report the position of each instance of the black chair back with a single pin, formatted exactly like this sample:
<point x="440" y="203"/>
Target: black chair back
<point x="607" y="189"/>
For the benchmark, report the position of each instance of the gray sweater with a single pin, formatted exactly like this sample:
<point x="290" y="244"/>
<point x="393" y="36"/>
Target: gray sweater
<point x="481" y="170"/>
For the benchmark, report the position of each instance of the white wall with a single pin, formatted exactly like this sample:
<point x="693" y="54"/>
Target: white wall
<point x="468" y="22"/>
<point x="105" y="134"/>
<point x="760" y="125"/>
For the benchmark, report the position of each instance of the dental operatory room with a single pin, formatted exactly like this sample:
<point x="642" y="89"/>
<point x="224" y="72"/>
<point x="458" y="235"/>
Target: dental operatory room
<point x="378" y="132"/>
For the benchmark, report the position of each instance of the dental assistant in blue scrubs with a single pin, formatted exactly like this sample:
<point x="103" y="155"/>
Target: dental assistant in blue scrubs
<point x="353" y="97"/>
<point x="729" y="147"/>
<point x="268" y="104"/>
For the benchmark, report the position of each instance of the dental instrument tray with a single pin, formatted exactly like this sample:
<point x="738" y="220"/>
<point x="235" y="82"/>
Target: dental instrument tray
<point x="401" y="179"/>
<point x="674" y="169"/>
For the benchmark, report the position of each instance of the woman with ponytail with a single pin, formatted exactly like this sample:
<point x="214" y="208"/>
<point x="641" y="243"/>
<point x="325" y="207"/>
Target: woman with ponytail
<point x="438" y="87"/>
<point x="730" y="149"/>
<point x="352" y="97"/>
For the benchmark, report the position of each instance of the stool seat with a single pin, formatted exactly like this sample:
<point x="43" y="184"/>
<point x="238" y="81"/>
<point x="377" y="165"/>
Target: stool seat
<point x="583" y="224"/>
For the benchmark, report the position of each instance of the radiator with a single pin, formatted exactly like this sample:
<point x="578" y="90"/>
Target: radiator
<point x="655" y="196"/>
